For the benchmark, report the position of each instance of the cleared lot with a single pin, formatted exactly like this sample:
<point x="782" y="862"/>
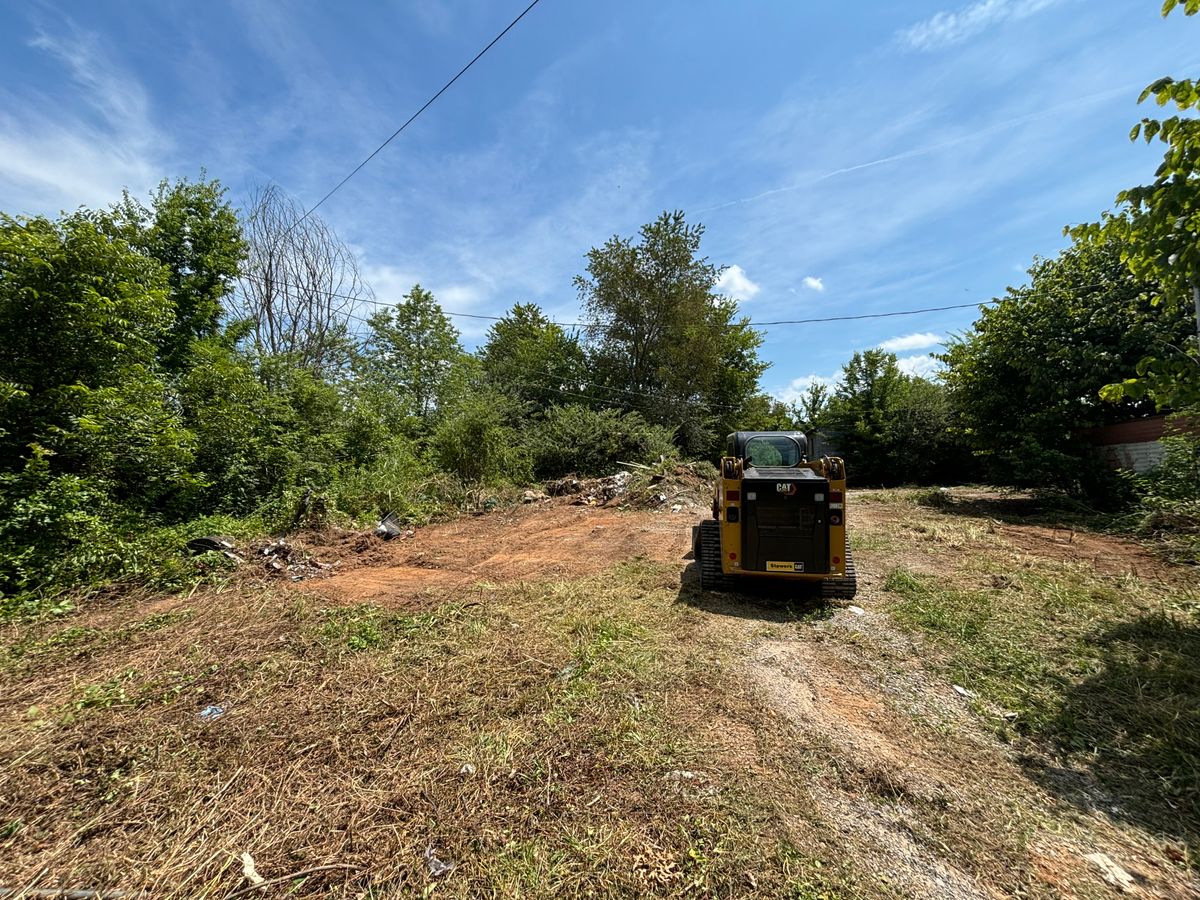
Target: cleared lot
<point x="541" y="699"/>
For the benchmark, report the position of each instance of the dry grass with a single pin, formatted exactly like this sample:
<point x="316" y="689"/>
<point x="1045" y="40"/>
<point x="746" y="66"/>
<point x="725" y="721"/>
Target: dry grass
<point x="532" y="735"/>
<point x="614" y="733"/>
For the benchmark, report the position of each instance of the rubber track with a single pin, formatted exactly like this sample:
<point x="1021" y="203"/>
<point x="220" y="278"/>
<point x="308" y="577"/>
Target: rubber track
<point x="709" y="558"/>
<point x="843" y="588"/>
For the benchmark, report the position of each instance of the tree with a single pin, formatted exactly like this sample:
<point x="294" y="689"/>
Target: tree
<point x="859" y="415"/>
<point x="190" y="228"/>
<point x="413" y="348"/>
<point x="80" y="312"/>
<point x="1026" y="378"/>
<point x="661" y="340"/>
<point x="532" y="359"/>
<point x="299" y="286"/>
<point x="811" y="406"/>
<point x="1157" y="227"/>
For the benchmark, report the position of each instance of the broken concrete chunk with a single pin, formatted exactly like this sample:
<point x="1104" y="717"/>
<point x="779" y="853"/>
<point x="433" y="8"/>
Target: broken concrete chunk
<point x="1111" y="872"/>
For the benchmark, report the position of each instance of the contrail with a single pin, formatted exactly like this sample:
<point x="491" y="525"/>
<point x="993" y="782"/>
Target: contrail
<point x="922" y="151"/>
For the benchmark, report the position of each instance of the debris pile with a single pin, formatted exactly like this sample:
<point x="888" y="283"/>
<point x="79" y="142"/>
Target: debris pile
<point x="214" y="543"/>
<point x="285" y="559"/>
<point x="599" y="491"/>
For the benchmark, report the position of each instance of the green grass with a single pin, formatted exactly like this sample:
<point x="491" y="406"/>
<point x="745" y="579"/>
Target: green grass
<point x="367" y="627"/>
<point x="1101" y="669"/>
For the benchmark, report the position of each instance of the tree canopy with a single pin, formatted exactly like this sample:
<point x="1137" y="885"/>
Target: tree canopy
<point x="662" y="339"/>
<point x="1026" y="378"/>
<point x="1157" y="228"/>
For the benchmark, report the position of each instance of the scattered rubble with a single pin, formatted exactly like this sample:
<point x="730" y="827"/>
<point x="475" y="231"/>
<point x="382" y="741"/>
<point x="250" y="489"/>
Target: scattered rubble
<point x="564" y="487"/>
<point x="214" y="543"/>
<point x="283" y="558"/>
<point x="532" y="496"/>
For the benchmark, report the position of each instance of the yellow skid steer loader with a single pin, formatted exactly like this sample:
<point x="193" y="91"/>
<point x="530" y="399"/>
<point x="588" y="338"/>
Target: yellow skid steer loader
<point x="776" y="516"/>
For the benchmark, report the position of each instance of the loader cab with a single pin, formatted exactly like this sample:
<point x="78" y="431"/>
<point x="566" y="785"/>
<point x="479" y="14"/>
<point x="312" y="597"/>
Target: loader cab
<point x="776" y="449"/>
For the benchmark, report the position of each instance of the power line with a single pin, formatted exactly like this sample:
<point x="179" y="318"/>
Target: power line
<point x="749" y="324"/>
<point x="428" y="103"/>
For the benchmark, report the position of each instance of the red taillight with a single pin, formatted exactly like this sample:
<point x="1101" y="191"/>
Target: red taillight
<point x="836" y="497"/>
<point x="836" y="560"/>
<point x="733" y="556"/>
<point x="835" y="519"/>
<point x="733" y="495"/>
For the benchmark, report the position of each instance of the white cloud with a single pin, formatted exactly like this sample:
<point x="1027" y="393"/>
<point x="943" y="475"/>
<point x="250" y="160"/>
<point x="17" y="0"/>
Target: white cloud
<point x="814" y="284"/>
<point x="736" y="284"/>
<point x="946" y="28"/>
<point x="917" y="341"/>
<point x="797" y="386"/>
<point x="923" y="364"/>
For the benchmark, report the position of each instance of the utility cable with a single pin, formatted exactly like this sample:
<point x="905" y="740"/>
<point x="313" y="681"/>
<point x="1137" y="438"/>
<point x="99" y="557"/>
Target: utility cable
<point x="428" y="103"/>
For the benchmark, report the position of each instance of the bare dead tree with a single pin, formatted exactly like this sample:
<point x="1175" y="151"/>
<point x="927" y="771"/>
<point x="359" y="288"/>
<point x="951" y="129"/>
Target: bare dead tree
<point x="300" y="283"/>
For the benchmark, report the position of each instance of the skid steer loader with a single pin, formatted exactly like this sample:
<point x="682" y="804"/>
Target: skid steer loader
<point x="776" y="516"/>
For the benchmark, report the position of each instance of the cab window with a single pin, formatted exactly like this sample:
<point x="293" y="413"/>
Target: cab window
<point x="772" y="450"/>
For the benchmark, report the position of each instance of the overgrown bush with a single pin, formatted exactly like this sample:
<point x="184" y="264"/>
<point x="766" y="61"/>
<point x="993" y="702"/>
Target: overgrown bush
<point x="475" y="443"/>
<point x="575" y="438"/>
<point x="1170" y="494"/>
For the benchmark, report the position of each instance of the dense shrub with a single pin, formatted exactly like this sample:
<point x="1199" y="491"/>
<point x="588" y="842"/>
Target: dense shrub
<point x="1170" y="494"/>
<point x="587" y="441"/>
<point x="475" y="443"/>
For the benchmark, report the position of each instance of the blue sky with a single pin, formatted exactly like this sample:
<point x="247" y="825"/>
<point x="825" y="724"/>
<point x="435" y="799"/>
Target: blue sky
<point x="846" y="158"/>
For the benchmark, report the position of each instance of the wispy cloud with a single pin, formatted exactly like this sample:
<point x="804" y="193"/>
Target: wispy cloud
<point x="51" y="155"/>
<point x="972" y="136"/>
<point x="735" y="283"/>
<point x="946" y="28"/>
<point x="917" y="341"/>
<point x="814" y="284"/>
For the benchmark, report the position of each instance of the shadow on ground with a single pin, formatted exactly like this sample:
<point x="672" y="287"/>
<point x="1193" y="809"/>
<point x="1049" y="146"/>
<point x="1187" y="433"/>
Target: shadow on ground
<point x="1016" y="509"/>
<point x="767" y="602"/>
<point x="1134" y="727"/>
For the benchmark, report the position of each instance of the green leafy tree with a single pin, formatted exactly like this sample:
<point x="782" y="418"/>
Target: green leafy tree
<point x="81" y="312"/>
<point x="412" y="348"/>
<point x="811" y="406"/>
<point x="1158" y="228"/>
<point x="890" y="427"/>
<point x="190" y="228"/>
<point x="1026" y="378"/>
<point x="859" y="415"/>
<point x="532" y="359"/>
<point x="574" y="438"/>
<point x="475" y="442"/>
<point x="661" y="340"/>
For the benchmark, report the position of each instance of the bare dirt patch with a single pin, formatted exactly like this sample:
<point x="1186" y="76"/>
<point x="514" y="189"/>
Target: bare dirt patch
<point x="531" y="543"/>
